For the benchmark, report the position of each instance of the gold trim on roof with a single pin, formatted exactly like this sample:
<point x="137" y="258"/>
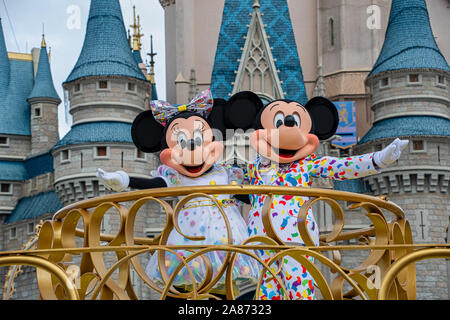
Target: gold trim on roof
<point x="20" y="56"/>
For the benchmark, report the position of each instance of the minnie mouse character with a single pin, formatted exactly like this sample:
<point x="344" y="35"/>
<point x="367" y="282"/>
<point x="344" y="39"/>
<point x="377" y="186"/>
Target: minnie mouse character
<point x="286" y="136"/>
<point x="189" y="155"/>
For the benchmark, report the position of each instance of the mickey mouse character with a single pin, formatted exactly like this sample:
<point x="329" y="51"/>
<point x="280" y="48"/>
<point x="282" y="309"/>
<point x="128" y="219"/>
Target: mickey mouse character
<point x="286" y="137"/>
<point x="189" y="155"/>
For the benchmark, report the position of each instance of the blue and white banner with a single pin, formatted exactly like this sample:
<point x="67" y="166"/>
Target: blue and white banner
<point x="347" y="124"/>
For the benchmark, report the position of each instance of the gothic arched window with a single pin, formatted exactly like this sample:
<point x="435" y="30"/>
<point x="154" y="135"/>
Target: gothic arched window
<point x="331" y="36"/>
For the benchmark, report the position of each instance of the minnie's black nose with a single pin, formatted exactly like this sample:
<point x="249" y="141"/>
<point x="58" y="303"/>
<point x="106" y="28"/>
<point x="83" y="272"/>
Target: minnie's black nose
<point x="289" y="121"/>
<point x="191" y="144"/>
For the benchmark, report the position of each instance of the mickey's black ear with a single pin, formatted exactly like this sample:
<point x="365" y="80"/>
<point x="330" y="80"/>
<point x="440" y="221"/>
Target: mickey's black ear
<point x="146" y="132"/>
<point x="242" y="109"/>
<point x="324" y="117"/>
<point x="217" y="115"/>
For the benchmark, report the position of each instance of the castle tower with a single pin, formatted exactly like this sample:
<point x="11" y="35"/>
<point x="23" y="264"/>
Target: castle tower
<point x="107" y="90"/>
<point x="44" y="101"/>
<point x="410" y="99"/>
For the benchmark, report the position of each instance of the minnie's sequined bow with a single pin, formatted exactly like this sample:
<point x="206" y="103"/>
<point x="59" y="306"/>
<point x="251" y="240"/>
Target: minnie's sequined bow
<point x="202" y="104"/>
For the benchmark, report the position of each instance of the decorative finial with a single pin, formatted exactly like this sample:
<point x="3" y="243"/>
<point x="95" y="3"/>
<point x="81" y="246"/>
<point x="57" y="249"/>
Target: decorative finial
<point x="136" y="31"/>
<point x="139" y="35"/>
<point x="43" y="44"/>
<point x="256" y="5"/>
<point x="152" y="61"/>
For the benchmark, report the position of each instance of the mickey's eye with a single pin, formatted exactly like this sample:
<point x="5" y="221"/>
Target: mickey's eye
<point x="278" y="120"/>
<point x="297" y="119"/>
<point x="198" y="138"/>
<point x="182" y="140"/>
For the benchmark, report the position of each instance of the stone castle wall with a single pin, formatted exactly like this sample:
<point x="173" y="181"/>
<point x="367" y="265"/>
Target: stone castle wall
<point x="89" y="102"/>
<point x="44" y="126"/>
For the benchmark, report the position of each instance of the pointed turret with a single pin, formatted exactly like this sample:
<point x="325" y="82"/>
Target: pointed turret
<point x="409" y="41"/>
<point x="43" y="84"/>
<point x="106" y="51"/>
<point x="409" y="80"/>
<point x="4" y="65"/>
<point x="44" y="101"/>
<point x="107" y="89"/>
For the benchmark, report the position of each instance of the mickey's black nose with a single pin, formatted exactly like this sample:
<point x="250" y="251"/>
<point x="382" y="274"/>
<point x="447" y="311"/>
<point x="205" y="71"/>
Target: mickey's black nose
<point x="191" y="144"/>
<point x="289" y="121"/>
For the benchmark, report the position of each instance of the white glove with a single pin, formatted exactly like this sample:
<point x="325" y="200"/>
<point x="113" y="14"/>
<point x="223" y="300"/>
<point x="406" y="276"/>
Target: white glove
<point x="116" y="181"/>
<point x="390" y="154"/>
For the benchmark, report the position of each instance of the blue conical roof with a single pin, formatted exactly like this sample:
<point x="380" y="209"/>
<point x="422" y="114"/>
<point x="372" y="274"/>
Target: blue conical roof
<point x="43" y="85"/>
<point x="105" y="51"/>
<point x="16" y="82"/>
<point x="284" y="49"/>
<point x="4" y="65"/>
<point x="409" y="41"/>
<point x="408" y="126"/>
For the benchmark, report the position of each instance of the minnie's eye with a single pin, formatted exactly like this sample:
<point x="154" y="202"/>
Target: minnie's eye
<point x="198" y="138"/>
<point x="182" y="140"/>
<point x="278" y="120"/>
<point x="297" y="119"/>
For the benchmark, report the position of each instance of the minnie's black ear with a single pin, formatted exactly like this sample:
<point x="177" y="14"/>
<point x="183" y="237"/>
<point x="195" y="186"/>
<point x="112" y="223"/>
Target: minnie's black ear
<point x="242" y="109"/>
<point x="146" y="132"/>
<point x="217" y="116"/>
<point x="324" y="117"/>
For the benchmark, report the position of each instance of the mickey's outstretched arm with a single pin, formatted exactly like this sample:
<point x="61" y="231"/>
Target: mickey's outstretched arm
<point x="120" y="180"/>
<point x="357" y="166"/>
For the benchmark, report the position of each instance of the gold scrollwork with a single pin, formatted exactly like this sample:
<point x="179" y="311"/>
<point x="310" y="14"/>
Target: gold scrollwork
<point x="71" y="264"/>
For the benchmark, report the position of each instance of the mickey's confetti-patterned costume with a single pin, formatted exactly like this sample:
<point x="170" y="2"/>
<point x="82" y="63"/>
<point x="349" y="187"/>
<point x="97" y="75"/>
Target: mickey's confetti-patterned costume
<point x="284" y="211"/>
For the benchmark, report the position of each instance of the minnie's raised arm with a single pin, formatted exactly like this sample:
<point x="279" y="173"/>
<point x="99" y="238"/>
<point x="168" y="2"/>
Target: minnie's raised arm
<point x="119" y="180"/>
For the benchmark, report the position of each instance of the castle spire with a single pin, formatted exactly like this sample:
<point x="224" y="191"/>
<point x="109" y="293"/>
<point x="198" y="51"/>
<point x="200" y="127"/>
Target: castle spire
<point x="152" y="55"/>
<point x="409" y="41"/>
<point x="151" y="76"/>
<point x="43" y="44"/>
<point x="106" y="51"/>
<point x="137" y="35"/>
<point x="43" y="84"/>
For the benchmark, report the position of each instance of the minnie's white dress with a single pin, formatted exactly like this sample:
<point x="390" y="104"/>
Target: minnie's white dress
<point x="201" y="217"/>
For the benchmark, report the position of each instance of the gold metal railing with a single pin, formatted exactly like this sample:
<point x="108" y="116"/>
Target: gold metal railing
<point x="388" y="243"/>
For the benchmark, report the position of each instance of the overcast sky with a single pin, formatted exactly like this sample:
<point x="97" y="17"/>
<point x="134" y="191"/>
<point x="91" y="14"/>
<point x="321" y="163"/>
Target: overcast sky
<point x="66" y="40"/>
